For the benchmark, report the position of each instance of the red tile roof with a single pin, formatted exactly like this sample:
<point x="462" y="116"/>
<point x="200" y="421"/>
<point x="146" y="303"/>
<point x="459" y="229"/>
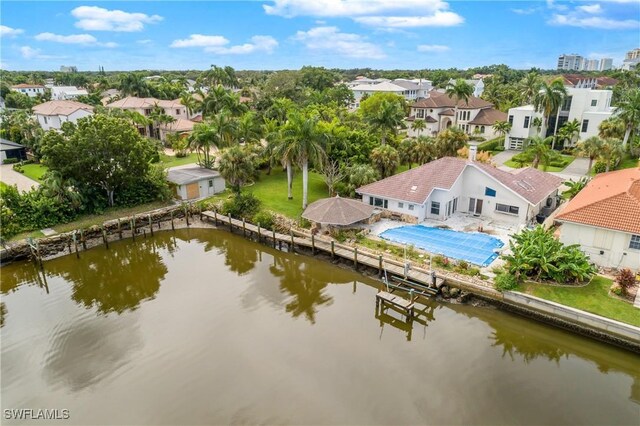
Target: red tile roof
<point x="611" y="200"/>
<point x="488" y="117"/>
<point x="26" y="86"/>
<point x="441" y="100"/>
<point x="415" y="185"/>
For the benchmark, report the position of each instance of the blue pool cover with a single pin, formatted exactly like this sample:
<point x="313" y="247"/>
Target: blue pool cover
<point x="475" y="247"/>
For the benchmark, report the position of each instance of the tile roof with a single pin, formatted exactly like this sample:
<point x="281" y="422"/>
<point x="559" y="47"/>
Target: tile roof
<point x="139" y="103"/>
<point x="190" y="175"/>
<point x="26" y="86"/>
<point x="415" y="185"/>
<point x="178" y="125"/>
<point x="448" y="111"/>
<point x="430" y="119"/>
<point x="611" y="200"/>
<point x="488" y="117"/>
<point x="61" y="108"/>
<point x="337" y="211"/>
<point x="6" y="145"/>
<point x="441" y="100"/>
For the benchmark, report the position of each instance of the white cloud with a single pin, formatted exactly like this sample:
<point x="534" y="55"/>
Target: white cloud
<point x="9" y="32"/>
<point x="433" y="48"/>
<point x="219" y="44"/>
<point x="551" y="4"/>
<point x="93" y="18"/>
<point x="590" y="8"/>
<point x="383" y="13"/>
<point x="145" y="41"/>
<point x="573" y="20"/>
<point x="343" y="44"/>
<point x="528" y="11"/>
<point x="85" y="39"/>
<point x="29" y="52"/>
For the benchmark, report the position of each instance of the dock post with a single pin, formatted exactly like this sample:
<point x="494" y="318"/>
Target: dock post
<point x="150" y="225"/>
<point x="75" y="244"/>
<point x="274" y="237"/>
<point x="230" y="225"/>
<point x="186" y="215"/>
<point x="119" y="229"/>
<point x="244" y="228"/>
<point x="104" y="237"/>
<point x="215" y="217"/>
<point x="69" y="246"/>
<point x="259" y="233"/>
<point x="173" y="228"/>
<point x="291" y="233"/>
<point x="82" y="240"/>
<point x="144" y="233"/>
<point x="313" y="244"/>
<point x="355" y="258"/>
<point x="132" y="223"/>
<point x="333" y="249"/>
<point x="380" y="266"/>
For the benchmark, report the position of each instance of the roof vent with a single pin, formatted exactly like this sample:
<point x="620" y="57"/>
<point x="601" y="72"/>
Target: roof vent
<point x="525" y="185"/>
<point x="414" y="188"/>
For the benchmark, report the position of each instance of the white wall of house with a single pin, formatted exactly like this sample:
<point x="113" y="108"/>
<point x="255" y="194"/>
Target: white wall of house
<point x="32" y="92"/>
<point x="48" y="122"/>
<point x="206" y="187"/>
<point x="521" y="119"/>
<point x="606" y="247"/>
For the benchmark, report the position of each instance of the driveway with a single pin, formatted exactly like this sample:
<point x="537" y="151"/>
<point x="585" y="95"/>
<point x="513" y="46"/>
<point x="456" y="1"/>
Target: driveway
<point x="574" y="171"/>
<point x="502" y="157"/>
<point x="11" y="177"/>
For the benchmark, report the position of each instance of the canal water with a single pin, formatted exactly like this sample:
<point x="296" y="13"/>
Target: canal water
<point x="203" y="327"/>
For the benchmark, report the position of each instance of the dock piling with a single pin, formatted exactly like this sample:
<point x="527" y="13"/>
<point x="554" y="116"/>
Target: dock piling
<point x="333" y="249"/>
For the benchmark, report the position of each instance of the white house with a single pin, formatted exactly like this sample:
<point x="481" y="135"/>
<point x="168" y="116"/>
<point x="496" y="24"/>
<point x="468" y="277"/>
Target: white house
<point x="589" y="107"/>
<point x="475" y="117"/>
<point x="145" y="107"/>
<point x="196" y="182"/>
<point x="439" y="189"/>
<point x="31" y="90"/>
<point x="182" y="126"/>
<point x="477" y="84"/>
<point x="11" y="150"/>
<point x="604" y="219"/>
<point x="67" y="92"/>
<point x="52" y="114"/>
<point x="409" y="89"/>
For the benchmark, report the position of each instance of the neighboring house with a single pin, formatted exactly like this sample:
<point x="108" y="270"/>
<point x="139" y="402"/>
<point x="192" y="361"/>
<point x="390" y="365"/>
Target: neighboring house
<point x="52" y="114"/>
<point x="475" y="117"/>
<point x="10" y="149"/>
<point x="439" y="189"/>
<point x="196" y="182"/>
<point x="409" y="89"/>
<point x="31" y="90"/>
<point x="145" y="107"/>
<point x="604" y="219"/>
<point x="108" y="96"/>
<point x="67" y="92"/>
<point x="580" y="81"/>
<point x="589" y="107"/>
<point x="478" y="86"/>
<point x="182" y="126"/>
<point x="606" y="83"/>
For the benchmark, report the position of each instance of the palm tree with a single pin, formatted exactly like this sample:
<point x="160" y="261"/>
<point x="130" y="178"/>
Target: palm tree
<point x="611" y="150"/>
<point x="460" y="91"/>
<point x="628" y="109"/>
<point x="248" y="130"/>
<point x="407" y="151"/>
<point x="236" y="167"/>
<point x="215" y="101"/>
<point x="450" y="141"/>
<point x="386" y="159"/>
<point x="191" y="103"/>
<point x="159" y="116"/>
<point x="537" y="123"/>
<point x="304" y="142"/>
<point x="215" y="133"/>
<point x="279" y="109"/>
<point x="530" y="86"/>
<point x="540" y="150"/>
<point x="132" y="84"/>
<point x="387" y="119"/>
<point x="549" y="99"/>
<point x="612" y="127"/>
<point x="591" y="148"/>
<point x="569" y="131"/>
<point x="425" y="149"/>
<point x="502" y="128"/>
<point x="418" y="125"/>
<point x="272" y="134"/>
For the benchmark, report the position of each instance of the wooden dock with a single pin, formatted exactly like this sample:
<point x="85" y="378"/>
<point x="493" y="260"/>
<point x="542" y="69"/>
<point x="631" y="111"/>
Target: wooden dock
<point x="399" y="303"/>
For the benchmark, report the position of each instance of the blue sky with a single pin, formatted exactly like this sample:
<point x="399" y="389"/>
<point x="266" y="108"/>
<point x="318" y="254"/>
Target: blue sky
<point x="388" y="34"/>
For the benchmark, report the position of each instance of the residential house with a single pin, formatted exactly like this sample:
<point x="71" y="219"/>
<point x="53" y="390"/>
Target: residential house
<point x="589" y="107"/>
<point x="31" y="90"/>
<point x="196" y="182"/>
<point x="580" y="81"/>
<point x="108" y="96"/>
<point x="477" y="84"/>
<point x="145" y="107"/>
<point x="10" y="149"/>
<point x="439" y="189"/>
<point x="475" y="117"/>
<point x="409" y="89"/>
<point x="604" y="219"/>
<point x="67" y="92"/>
<point x="52" y="114"/>
<point x="181" y="126"/>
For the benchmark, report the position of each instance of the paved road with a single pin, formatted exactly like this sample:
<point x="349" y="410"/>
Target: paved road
<point x="11" y="177"/>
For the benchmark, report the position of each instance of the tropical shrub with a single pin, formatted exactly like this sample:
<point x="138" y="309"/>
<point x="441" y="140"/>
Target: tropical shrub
<point x="241" y="205"/>
<point x="265" y="218"/>
<point x="10" y="161"/>
<point x="491" y="145"/>
<point x="537" y="255"/>
<point x="505" y="282"/>
<point x="599" y="167"/>
<point x="625" y="279"/>
<point x="574" y="187"/>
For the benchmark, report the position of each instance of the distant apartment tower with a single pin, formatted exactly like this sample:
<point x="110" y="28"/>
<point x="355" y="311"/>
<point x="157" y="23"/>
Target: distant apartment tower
<point x="606" y="64"/>
<point x="633" y="54"/>
<point x="631" y="59"/>
<point x="571" y="62"/>
<point x="70" y="68"/>
<point x="591" y="65"/>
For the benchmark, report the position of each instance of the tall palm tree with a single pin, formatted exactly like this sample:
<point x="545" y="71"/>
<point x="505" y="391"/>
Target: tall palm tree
<point x="387" y="119"/>
<point x="418" y="125"/>
<point x="612" y="127"/>
<point x="425" y="149"/>
<point x="460" y="91"/>
<point x="530" y="86"/>
<point x="272" y="134"/>
<point x="157" y="117"/>
<point x="610" y="151"/>
<point x="540" y="150"/>
<point x="216" y="100"/>
<point x="591" y="148"/>
<point x="569" y="131"/>
<point x="304" y="143"/>
<point x="236" y="167"/>
<point x="549" y="100"/>
<point x="191" y="103"/>
<point x="385" y="158"/>
<point x="248" y="130"/>
<point x="502" y="128"/>
<point x="216" y="133"/>
<point x="537" y="123"/>
<point x="628" y="109"/>
<point x="132" y="84"/>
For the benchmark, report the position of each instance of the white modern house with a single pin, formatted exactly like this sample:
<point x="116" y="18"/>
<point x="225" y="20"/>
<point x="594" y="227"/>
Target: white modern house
<point x="145" y="107"/>
<point x="475" y="117"/>
<point x="31" y="90"/>
<point x="67" y="92"/>
<point x="51" y="115"/>
<point x="589" y="107"/>
<point x="439" y="189"/>
<point x="477" y="84"/>
<point x="409" y="89"/>
<point x="196" y="182"/>
<point x="604" y="219"/>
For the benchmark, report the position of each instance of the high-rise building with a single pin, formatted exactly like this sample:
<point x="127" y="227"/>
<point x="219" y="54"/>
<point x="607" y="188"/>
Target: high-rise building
<point x="631" y="59"/>
<point x="606" y="64"/>
<point x="70" y="68"/>
<point x="573" y="62"/>
<point x="591" y="65"/>
<point x="633" y="54"/>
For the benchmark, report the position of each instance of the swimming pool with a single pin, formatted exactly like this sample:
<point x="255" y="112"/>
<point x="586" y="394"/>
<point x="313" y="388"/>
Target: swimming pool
<point x="474" y="247"/>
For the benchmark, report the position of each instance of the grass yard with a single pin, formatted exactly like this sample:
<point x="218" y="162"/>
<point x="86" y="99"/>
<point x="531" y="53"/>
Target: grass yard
<point x="272" y="191"/>
<point x="172" y="161"/>
<point x="34" y="171"/>
<point x="593" y="298"/>
<point x="628" y="162"/>
<point x="3" y="186"/>
<point x="516" y="165"/>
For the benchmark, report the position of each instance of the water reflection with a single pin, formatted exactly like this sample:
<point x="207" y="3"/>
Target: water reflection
<point x="423" y="314"/>
<point x="240" y="258"/>
<point x="12" y="277"/>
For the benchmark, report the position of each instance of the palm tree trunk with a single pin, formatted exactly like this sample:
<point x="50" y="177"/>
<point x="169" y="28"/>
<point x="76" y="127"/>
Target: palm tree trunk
<point x="455" y="116"/>
<point x="627" y="133"/>
<point x="590" y="164"/>
<point x="305" y="183"/>
<point x="555" y="129"/>
<point x="289" y="180"/>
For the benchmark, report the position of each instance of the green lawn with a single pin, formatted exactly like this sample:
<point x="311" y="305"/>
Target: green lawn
<point x="34" y="171"/>
<point x="516" y="165"/>
<point x="628" y="162"/>
<point x="3" y="185"/>
<point x="272" y="191"/>
<point x="172" y="161"/>
<point x="593" y="298"/>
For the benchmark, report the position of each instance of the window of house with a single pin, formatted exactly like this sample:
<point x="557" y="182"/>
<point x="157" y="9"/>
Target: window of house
<point x="177" y="112"/>
<point x="147" y="111"/>
<point x="378" y="202"/>
<point x="635" y="242"/>
<point x="594" y="102"/>
<point x="566" y="104"/>
<point x="211" y="183"/>
<point x="411" y="206"/>
<point x="401" y="205"/>
<point x="435" y="207"/>
<point x="511" y="120"/>
<point x="420" y="113"/>
<point x="489" y="192"/>
<point x="45" y="120"/>
<point x="585" y="125"/>
<point x="503" y="208"/>
<point x="526" y="122"/>
<point x="481" y="129"/>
